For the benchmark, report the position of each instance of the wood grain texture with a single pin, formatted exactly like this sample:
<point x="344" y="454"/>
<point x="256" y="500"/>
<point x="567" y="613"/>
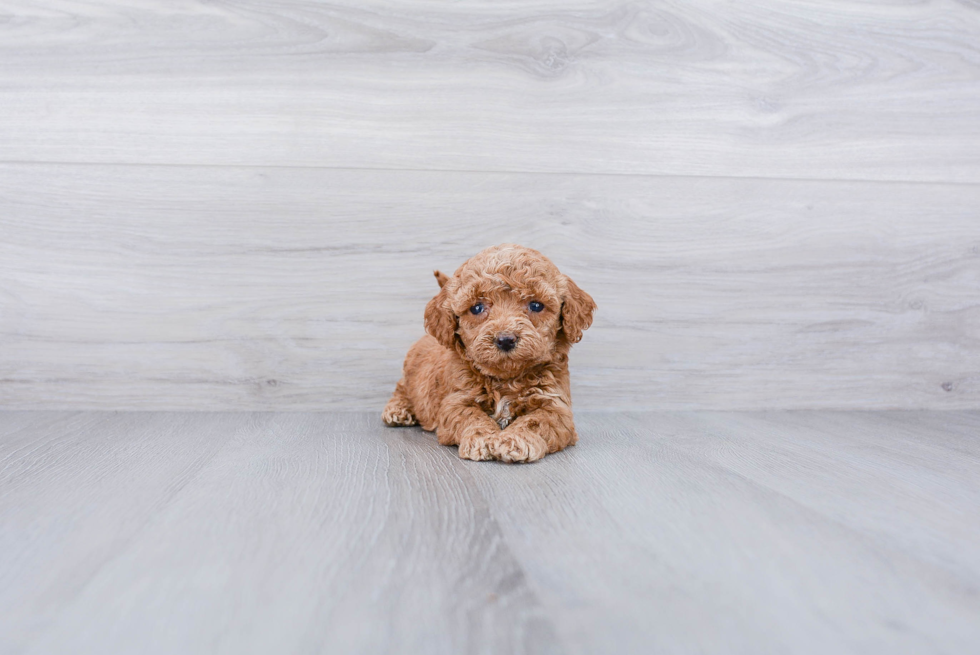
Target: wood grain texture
<point x="310" y="533"/>
<point x="128" y="287"/>
<point x="75" y="490"/>
<point x="803" y="532"/>
<point x="746" y="533"/>
<point x="880" y="90"/>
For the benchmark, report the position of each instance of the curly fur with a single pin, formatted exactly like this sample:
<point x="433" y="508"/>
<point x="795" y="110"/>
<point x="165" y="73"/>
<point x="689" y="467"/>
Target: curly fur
<point x="513" y="406"/>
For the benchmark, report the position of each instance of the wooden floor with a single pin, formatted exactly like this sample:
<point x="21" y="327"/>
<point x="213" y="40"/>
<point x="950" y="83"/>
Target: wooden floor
<point x="803" y="532"/>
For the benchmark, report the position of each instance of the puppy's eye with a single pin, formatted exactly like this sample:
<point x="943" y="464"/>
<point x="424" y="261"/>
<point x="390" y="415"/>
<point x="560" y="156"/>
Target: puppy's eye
<point x="535" y="306"/>
<point x="478" y="308"/>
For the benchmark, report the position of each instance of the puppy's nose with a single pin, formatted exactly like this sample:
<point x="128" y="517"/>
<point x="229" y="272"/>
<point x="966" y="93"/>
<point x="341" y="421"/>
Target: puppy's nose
<point x="506" y="341"/>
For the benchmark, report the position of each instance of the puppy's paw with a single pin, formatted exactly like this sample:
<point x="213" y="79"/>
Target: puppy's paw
<point x="519" y="445"/>
<point x="478" y="448"/>
<point x="398" y="412"/>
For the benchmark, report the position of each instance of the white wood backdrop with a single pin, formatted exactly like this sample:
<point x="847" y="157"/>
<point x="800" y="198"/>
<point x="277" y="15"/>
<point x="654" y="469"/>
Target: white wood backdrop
<point x="239" y="205"/>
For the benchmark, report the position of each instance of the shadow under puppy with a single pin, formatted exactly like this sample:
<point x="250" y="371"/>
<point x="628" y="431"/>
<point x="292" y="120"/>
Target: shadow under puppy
<point x="491" y="376"/>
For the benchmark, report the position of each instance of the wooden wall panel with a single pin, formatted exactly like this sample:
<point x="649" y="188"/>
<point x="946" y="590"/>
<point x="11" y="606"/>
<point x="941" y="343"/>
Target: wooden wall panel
<point x="825" y="90"/>
<point x="288" y="288"/>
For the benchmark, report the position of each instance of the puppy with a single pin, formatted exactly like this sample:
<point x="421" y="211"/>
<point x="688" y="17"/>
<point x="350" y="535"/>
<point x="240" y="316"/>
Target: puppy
<point x="491" y="376"/>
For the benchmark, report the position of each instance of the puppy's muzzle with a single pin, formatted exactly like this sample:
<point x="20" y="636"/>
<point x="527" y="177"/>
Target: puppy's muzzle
<point x="506" y="341"/>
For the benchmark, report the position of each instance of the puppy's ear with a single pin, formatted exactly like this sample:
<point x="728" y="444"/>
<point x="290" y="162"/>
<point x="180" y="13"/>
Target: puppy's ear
<point x="576" y="312"/>
<point x="440" y="321"/>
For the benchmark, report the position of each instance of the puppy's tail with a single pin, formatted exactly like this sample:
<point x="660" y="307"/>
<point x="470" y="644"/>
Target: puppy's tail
<point x="441" y="278"/>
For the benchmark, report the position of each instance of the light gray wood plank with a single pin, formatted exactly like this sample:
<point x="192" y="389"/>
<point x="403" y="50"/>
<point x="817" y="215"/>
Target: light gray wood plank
<point x="918" y="492"/>
<point x="75" y="490"/>
<point x="24" y="425"/>
<point x="313" y="533"/>
<point x="844" y="532"/>
<point x="701" y="532"/>
<point x="125" y="287"/>
<point x="829" y="90"/>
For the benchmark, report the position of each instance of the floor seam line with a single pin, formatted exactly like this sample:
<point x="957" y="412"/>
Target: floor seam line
<point x="464" y="171"/>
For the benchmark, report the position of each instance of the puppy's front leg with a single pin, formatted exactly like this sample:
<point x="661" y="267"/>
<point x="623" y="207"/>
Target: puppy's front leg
<point x="537" y="433"/>
<point x="462" y="422"/>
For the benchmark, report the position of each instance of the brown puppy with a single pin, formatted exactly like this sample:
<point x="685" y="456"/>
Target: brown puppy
<point x="492" y="374"/>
